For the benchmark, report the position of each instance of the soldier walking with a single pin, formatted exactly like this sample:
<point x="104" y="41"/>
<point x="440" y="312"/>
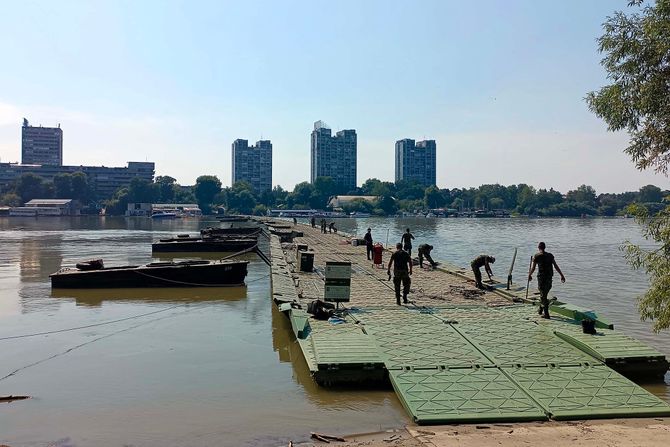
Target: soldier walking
<point x="406" y="241"/>
<point x="402" y="270"/>
<point x="545" y="263"/>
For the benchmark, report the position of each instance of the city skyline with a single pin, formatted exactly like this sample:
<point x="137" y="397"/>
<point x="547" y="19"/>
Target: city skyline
<point x="499" y="87"/>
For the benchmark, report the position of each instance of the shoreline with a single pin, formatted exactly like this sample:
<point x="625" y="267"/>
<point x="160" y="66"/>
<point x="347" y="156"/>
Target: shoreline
<point x="652" y="432"/>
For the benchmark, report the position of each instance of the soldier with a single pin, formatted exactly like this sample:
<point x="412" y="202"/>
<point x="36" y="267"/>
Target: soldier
<point x="546" y="264"/>
<point x="368" y="242"/>
<point x="406" y="241"/>
<point x="402" y="270"/>
<point x="313" y="222"/>
<point x="323" y="226"/>
<point x="424" y="252"/>
<point x="477" y="263"/>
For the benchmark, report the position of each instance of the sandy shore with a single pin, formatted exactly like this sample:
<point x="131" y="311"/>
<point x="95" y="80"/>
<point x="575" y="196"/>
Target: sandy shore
<point x="620" y="432"/>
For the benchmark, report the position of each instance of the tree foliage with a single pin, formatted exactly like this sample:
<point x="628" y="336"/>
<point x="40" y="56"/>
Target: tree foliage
<point x="636" y="48"/>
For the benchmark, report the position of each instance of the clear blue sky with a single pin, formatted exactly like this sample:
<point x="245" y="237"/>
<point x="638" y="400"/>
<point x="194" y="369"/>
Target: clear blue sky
<point x="498" y="84"/>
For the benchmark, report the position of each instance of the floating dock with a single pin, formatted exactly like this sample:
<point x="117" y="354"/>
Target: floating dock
<point x="457" y="354"/>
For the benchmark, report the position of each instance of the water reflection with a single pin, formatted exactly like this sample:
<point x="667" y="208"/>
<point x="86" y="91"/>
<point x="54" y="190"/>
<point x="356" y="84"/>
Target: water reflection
<point x="95" y="297"/>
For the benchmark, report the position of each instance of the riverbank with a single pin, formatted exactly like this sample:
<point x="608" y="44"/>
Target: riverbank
<point x="650" y="432"/>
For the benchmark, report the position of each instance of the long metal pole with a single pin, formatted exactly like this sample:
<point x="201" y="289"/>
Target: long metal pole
<point x="511" y="267"/>
<point x="528" y="283"/>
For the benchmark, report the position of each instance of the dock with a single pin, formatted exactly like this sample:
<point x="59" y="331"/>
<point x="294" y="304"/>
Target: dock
<point x="457" y="354"/>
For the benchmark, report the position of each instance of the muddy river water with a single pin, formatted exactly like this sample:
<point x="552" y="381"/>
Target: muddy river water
<point x="203" y="367"/>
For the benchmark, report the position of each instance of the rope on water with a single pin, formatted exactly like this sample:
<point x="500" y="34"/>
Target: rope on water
<point x="58" y="331"/>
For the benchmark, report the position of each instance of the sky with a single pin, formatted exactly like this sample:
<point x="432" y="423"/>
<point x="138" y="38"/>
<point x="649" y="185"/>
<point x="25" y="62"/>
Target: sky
<point x="499" y="85"/>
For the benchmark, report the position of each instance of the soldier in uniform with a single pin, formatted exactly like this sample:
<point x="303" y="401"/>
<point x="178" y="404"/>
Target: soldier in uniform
<point x="402" y="270"/>
<point x="479" y="262"/>
<point x="424" y="252"/>
<point x="406" y="241"/>
<point x="545" y="263"/>
<point x="368" y="243"/>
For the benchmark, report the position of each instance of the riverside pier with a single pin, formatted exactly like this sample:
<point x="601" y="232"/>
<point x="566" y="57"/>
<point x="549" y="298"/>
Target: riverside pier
<point x="456" y="354"/>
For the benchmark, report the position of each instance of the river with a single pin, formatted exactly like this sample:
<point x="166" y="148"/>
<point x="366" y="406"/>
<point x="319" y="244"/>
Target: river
<point x="201" y="367"/>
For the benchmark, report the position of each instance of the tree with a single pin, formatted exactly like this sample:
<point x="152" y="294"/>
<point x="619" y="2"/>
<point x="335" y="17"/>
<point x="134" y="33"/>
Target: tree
<point x="584" y="194"/>
<point x="63" y="186"/>
<point x="433" y="198"/>
<point x="206" y="187"/>
<point x="30" y="186"/>
<point x="302" y="192"/>
<point x="79" y="187"/>
<point x="142" y="191"/>
<point x="650" y="193"/>
<point x="166" y="188"/>
<point x="636" y="48"/>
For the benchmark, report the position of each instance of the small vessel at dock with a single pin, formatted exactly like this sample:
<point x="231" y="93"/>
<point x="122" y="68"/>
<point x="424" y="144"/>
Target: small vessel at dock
<point x="198" y="244"/>
<point x="215" y="232"/>
<point x="155" y="274"/>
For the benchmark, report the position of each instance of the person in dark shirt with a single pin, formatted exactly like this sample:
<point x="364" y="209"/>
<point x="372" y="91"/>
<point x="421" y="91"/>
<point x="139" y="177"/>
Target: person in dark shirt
<point x="331" y="228"/>
<point x="479" y="262"/>
<point x="402" y="269"/>
<point x="406" y="241"/>
<point x="368" y="242"/>
<point x="323" y="226"/>
<point x="545" y="263"/>
<point x="424" y="252"/>
<point x="313" y="222"/>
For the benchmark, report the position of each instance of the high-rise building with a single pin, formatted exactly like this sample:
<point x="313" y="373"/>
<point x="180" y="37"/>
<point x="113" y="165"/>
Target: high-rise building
<point x="415" y="161"/>
<point x="334" y="156"/>
<point x="253" y="163"/>
<point x="41" y="145"/>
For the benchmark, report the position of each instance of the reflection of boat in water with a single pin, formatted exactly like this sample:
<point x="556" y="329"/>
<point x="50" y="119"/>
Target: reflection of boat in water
<point x="95" y="297"/>
<point x="232" y="218"/>
<point x="156" y="274"/>
<point x="163" y="215"/>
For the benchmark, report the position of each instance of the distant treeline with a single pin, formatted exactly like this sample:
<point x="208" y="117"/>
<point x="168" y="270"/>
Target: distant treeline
<point x="402" y="196"/>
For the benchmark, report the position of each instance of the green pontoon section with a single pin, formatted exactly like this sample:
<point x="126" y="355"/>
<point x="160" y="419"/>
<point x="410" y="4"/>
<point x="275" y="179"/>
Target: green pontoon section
<point x="463" y="395"/>
<point x="470" y="363"/>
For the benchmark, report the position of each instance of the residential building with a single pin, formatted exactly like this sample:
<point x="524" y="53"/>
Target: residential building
<point x="334" y="156"/>
<point x="416" y="161"/>
<point x="41" y="145"/>
<point x="103" y="180"/>
<point x="253" y="164"/>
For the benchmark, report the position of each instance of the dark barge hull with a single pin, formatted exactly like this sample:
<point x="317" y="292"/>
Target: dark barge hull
<point x="204" y="245"/>
<point x="229" y="231"/>
<point x="157" y="274"/>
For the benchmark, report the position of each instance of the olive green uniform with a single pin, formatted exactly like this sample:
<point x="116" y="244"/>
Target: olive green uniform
<point x="401" y="274"/>
<point x="477" y="264"/>
<point x="545" y="273"/>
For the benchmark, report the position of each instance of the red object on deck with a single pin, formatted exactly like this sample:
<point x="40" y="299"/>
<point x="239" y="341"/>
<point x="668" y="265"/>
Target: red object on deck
<point x="377" y="251"/>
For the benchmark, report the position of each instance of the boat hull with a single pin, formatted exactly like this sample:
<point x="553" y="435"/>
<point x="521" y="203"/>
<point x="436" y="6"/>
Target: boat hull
<point x="158" y="274"/>
<point x="203" y="245"/>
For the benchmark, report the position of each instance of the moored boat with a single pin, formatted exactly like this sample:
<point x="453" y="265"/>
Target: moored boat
<point x="214" y="232"/>
<point x="196" y="244"/>
<point x="155" y="274"/>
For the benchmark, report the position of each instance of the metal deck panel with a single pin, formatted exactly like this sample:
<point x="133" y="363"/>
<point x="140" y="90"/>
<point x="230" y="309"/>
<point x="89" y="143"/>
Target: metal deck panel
<point x="463" y="395"/>
<point x="424" y="346"/>
<point x="586" y="392"/>
<point x="522" y="343"/>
